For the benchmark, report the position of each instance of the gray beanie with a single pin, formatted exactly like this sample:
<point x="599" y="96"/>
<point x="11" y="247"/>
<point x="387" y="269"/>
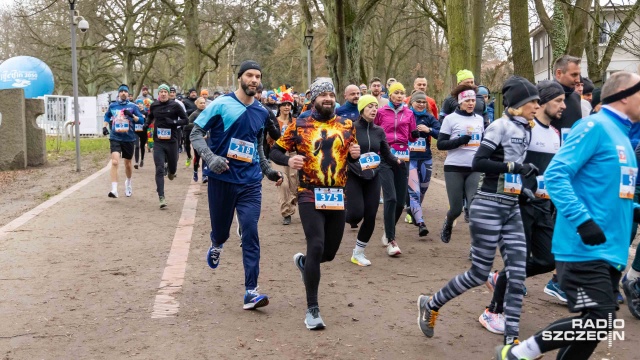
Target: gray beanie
<point x="418" y="95"/>
<point x="549" y="90"/>
<point x="320" y="85"/>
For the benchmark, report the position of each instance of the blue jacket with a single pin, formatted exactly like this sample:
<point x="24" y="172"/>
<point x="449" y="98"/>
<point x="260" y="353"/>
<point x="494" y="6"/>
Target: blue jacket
<point x="348" y="111"/>
<point x="432" y="123"/>
<point x="634" y="136"/>
<point x="584" y="181"/>
<point x="114" y="109"/>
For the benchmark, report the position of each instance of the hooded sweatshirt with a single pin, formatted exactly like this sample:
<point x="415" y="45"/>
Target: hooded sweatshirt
<point x="399" y="125"/>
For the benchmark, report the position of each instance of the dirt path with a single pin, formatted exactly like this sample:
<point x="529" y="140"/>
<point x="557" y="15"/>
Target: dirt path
<point x="79" y="282"/>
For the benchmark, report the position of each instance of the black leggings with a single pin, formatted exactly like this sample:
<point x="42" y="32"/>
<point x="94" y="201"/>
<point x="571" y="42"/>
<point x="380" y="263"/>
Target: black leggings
<point x="323" y="230"/>
<point x="139" y="145"/>
<point x="362" y="198"/>
<point x="395" y="180"/>
<point x="164" y="152"/>
<point x="187" y="143"/>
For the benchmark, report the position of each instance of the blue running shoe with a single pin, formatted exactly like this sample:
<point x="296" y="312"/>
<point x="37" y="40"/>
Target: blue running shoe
<point x="553" y="289"/>
<point x="213" y="256"/>
<point x="195" y="176"/>
<point x="253" y="299"/>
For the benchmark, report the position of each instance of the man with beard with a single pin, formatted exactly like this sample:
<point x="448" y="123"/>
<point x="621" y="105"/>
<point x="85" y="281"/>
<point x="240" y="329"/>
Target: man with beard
<point x="190" y="102"/>
<point x="350" y="108"/>
<point x="320" y="193"/>
<point x="272" y="100"/>
<point x="566" y="70"/>
<point x="376" y="90"/>
<point x="235" y="123"/>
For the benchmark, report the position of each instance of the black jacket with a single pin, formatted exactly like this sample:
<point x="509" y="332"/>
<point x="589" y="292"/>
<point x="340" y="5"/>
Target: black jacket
<point x="189" y="105"/>
<point x="371" y="138"/>
<point x="572" y="113"/>
<point x="166" y="115"/>
<point x="450" y="104"/>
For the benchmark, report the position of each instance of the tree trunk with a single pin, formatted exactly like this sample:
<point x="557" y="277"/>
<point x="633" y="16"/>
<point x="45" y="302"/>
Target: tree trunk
<point x="193" y="58"/>
<point x="458" y="41"/>
<point x="577" y="39"/>
<point x="477" y="37"/>
<point x="522" y="59"/>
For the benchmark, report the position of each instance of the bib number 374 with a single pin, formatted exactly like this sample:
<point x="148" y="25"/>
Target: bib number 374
<point x="329" y="198"/>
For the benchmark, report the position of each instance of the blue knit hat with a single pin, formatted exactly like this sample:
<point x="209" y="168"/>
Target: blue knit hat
<point x="123" y="87"/>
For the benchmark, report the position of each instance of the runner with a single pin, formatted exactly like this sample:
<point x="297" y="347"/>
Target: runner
<point x="363" y="89"/>
<point x="324" y="143"/>
<point x="399" y="125"/>
<point x="141" y="131"/>
<point x="537" y="213"/>
<point x="420" y="159"/>
<point x="288" y="191"/>
<point x="591" y="241"/>
<point x="363" y="183"/>
<point x="460" y="135"/>
<point x="200" y="105"/>
<point x="587" y="95"/>
<point x="145" y="94"/>
<point x="494" y="215"/>
<point x="375" y="85"/>
<point x="236" y="162"/>
<point x="450" y="103"/>
<point x="420" y="84"/>
<point x="166" y="115"/>
<point x="350" y="108"/>
<point x="121" y="117"/>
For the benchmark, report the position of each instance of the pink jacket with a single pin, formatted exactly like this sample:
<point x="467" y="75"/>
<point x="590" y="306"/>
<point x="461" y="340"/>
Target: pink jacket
<point x="397" y="126"/>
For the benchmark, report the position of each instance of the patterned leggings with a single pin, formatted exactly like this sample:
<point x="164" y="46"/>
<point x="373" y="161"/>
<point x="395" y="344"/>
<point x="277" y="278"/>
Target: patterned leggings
<point x="419" y="179"/>
<point x="493" y="224"/>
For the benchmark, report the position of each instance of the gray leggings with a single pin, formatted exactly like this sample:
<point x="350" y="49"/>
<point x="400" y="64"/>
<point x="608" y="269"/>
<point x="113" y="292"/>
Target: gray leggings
<point x="459" y="183"/>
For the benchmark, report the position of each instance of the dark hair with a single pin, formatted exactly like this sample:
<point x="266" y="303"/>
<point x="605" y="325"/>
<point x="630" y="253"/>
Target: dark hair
<point x="463" y="87"/>
<point x="563" y="61"/>
<point x="374" y="80"/>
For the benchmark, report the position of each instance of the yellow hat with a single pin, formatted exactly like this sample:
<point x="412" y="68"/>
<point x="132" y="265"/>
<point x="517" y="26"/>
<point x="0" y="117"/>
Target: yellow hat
<point x="463" y="75"/>
<point x="395" y="87"/>
<point x="365" y="100"/>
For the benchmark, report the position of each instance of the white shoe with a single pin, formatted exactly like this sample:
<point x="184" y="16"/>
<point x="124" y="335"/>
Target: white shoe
<point x="493" y="322"/>
<point x="385" y="241"/>
<point x="128" y="189"/>
<point x="358" y="258"/>
<point x="113" y="194"/>
<point x="393" y="249"/>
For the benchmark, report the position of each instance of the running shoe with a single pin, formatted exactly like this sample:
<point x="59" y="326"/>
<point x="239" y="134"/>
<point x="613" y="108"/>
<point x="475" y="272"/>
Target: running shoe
<point x="188" y="162"/>
<point x="633" y="296"/>
<point x="313" y="320"/>
<point x="620" y="298"/>
<point x="358" y="258"/>
<point x="113" y="194"/>
<point x="253" y="299"/>
<point x="213" y="256"/>
<point x="128" y="189"/>
<point x="141" y="163"/>
<point x="163" y="202"/>
<point x="553" y="289"/>
<point x="408" y="219"/>
<point x="205" y="179"/>
<point x="385" y="241"/>
<point x="172" y="176"/>
<point x="135" y="166"/>
<point x="445" y="234"/>
<point x="393" y="249"/>
<point x="503" y="352"/>
<point x="492" y="280"/>
<point x="492" y="322"/>
<point x="422" y="230"/>
<point x="426" y="317"/>
<point x="286" y="220"/>
<point x="297" y="260"/>
<point x="195" y="176"/>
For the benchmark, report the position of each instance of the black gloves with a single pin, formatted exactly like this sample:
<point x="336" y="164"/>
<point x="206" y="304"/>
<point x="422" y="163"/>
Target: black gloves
<point x="591" y="233"/>
<point x="128" y="113"/>
<point x="464" y="139"/>
<point x="274" y="175"/>
<point x="105" y="131"/>
<point x="636" y="215"/>
<point x="415" y="133"/>
<point x="525" y="170"/>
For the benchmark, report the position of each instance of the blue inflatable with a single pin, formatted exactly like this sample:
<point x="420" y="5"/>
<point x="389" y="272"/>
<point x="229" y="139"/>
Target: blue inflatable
<point x="28" y="73"/>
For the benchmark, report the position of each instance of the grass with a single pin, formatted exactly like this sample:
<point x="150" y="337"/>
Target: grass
<point x="87" y="146"/>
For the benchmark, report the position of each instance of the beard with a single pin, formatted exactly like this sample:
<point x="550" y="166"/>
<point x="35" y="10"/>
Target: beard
<point x="245" y="88"/>
<point x="323" y="111"/>
<point x="555" y="116"/>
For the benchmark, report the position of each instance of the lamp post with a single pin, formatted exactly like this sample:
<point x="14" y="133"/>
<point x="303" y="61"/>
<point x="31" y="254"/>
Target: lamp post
<point x="234" y="67"/>
<point x="76" y="21"/>
<point x="308" y="39"/>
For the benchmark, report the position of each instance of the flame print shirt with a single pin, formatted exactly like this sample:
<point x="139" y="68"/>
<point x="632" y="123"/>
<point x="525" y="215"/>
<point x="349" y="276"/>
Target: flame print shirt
<point x="325" y="146"/>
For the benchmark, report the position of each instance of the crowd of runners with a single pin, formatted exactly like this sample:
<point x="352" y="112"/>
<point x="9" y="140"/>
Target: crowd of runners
<point x="551" y="183"/>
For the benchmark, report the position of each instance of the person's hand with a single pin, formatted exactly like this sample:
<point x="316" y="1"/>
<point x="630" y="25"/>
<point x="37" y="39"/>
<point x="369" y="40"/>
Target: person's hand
<point x="280" y="179"/>
<point x="464" y="139"/>
<point x="128" y="113"/>
<point x="354" y="150"/>
<point x="423" y="128"/>
<point x="296" y="162"/>
<point x="591" y="233"/>
<point x="218" y="165"/>
<point x="525" y="170"/>
<point x="105" y="131"/>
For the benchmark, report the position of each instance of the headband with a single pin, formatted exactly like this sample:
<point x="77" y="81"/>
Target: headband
<point x="621" y="94"/>
<point x="466" y="95"/>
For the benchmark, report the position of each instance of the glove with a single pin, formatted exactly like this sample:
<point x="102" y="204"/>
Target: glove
<point x="591" y="233"/>
<point x="274" y="175"/>
<point x="217" y="164"/>
<point x="528" y="195"/>
<point x="636" y="215"/>
<point x="525" y="170"/>
<point x="415" y="134"/>
<point x="127" y="112"/>
<point x="105" y="131"/>
<point x="464" y="139"/>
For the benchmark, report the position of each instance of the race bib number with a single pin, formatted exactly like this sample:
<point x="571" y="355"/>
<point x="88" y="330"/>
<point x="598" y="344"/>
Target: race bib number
<point x="369" y="160"/>
<point x="541" y="193"/>
<point x="401" y="154"/>
<point x="241" y="150"/>
<point x="419" y="145"/>
<point x="139" y="127"/>
<point x="564" y="132"/>
<point x="329" y="198"/>
<point x="512" y="184"/>
<point x="627" y="181"/>
<point x="475" y="139"/>
<point x="164" y="134"/>
<point x="121" y="124"/>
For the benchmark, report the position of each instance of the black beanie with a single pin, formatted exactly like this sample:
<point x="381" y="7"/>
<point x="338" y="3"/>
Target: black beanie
<point x="518" y="91"/>
<point x="595" y="98"/>
<point x="248" y="65"/>
<point x="549" y="90"/>
<point x="587" y="86"/>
